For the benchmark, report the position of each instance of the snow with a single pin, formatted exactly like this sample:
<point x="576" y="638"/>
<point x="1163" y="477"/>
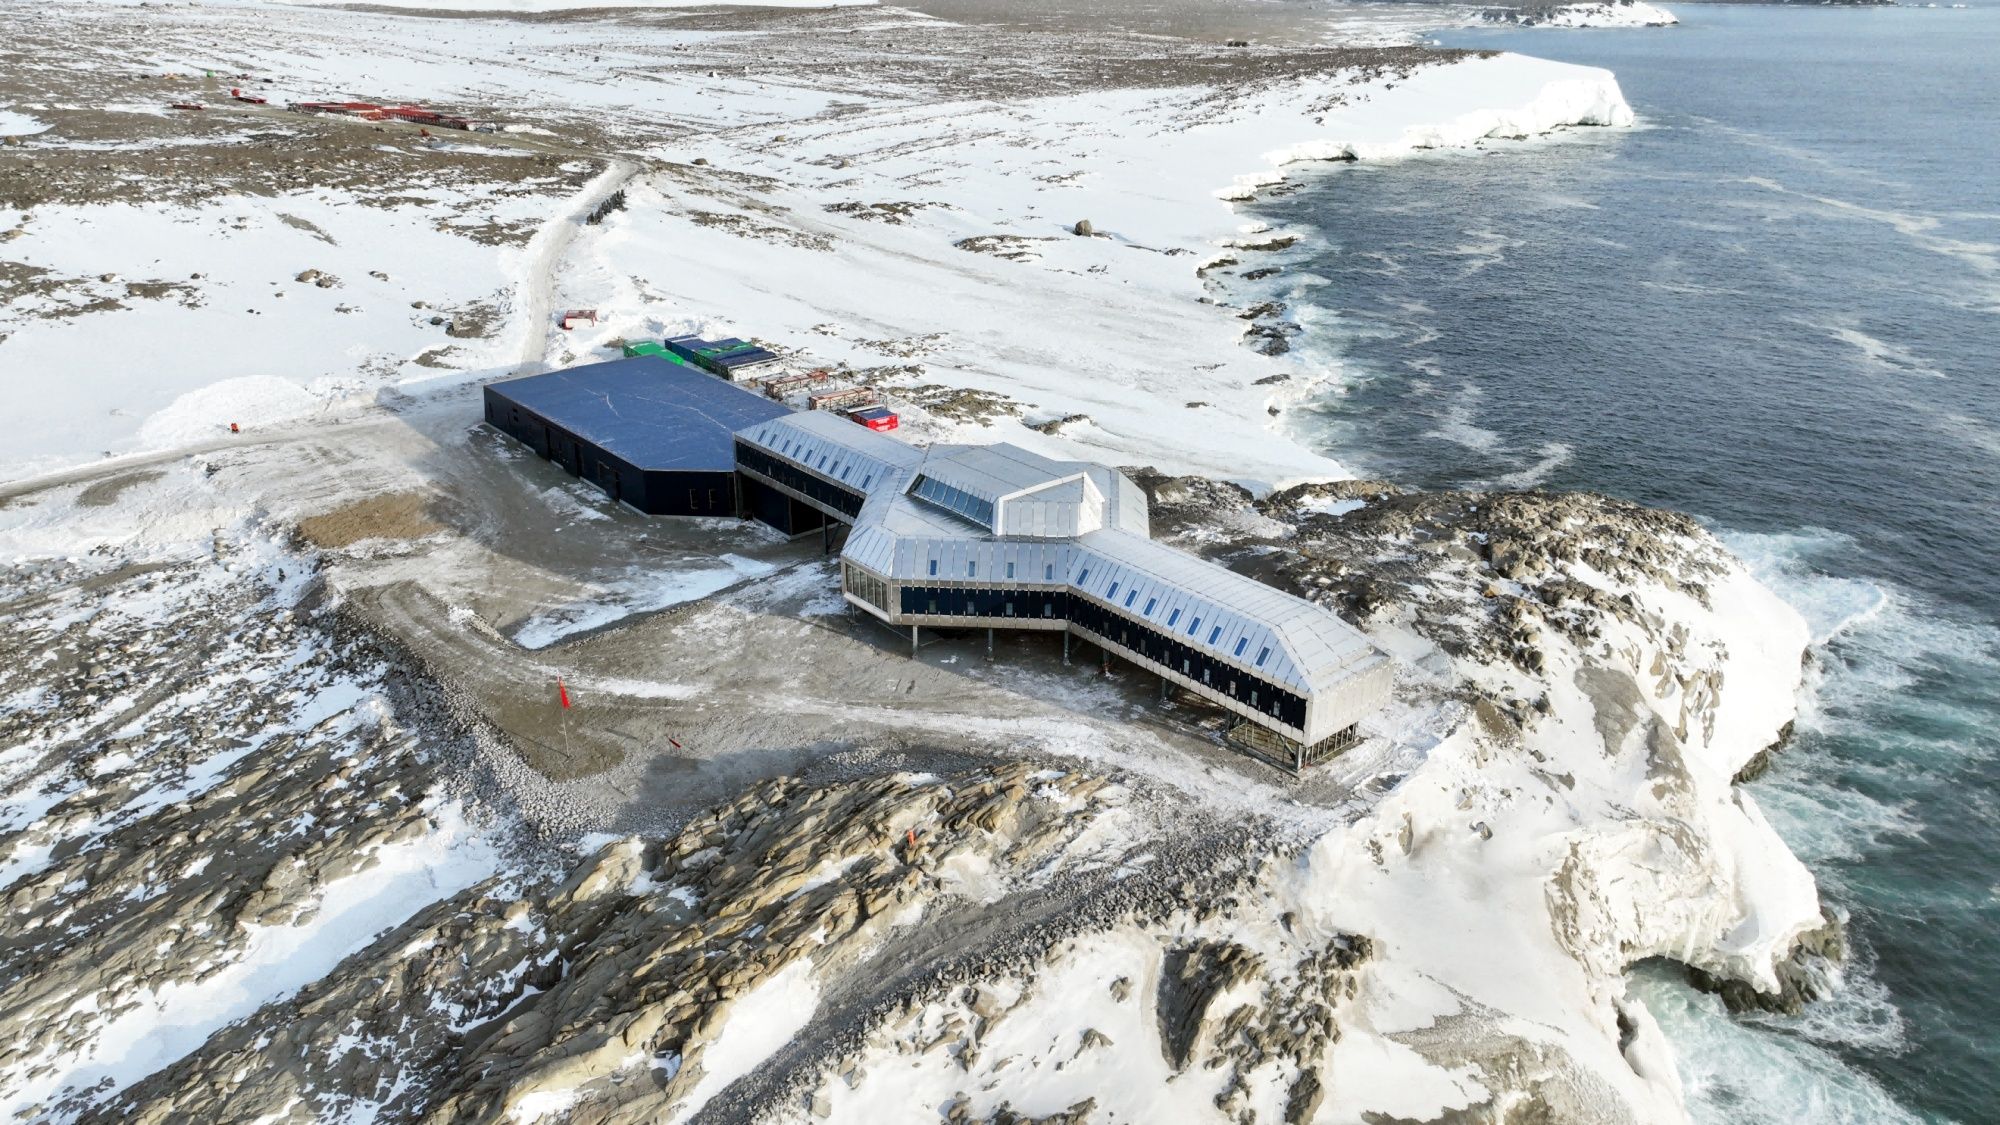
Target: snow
<point x="208" y="360"/>
<point x="543" y="1105"/>
<point x="1031" y="1057"/>
<point x="642" y="591"/>
<point x="174" y="1019"/>
<point x="1598" y="13"/>
<point x="760" y="1021"/>
<point x="1029" y="170"/>
<point x="13" y="124"/>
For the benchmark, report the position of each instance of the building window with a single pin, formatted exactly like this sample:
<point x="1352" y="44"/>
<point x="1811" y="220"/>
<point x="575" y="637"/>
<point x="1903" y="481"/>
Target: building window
<point x="1150" y="603"/>
<point x="1241" y="644"/>
<point x="1173" y="618"/>
<point x="1084" y="577"/>
<point x="1263" y="655"/>
<point x="1194" y="627"/>
<point x="933" y="605"/>
<point x="934" y="567"/>
<point x="1214" y="634"/>
<point x="972" y="570"/>
<point x="846" y="469"/>
<point x="1049" y="572"/>
<point x="1130" y="598"/>
<point x="1112" y="593"/>
<point x="867" y="479"/>
<point x="1010" y="570"/>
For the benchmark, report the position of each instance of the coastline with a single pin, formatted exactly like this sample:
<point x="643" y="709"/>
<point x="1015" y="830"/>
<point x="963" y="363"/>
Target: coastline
<point x="1549" y="802"/>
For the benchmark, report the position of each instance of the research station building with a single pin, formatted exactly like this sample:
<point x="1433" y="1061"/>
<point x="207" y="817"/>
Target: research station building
<point x="963" y="536"/>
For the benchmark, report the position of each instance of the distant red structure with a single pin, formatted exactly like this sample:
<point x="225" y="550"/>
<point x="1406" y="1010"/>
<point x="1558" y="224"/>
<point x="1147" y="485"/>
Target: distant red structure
<point x="369" y="111"/>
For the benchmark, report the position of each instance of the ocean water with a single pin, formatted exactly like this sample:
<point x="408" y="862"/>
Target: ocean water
<point x="1776" y="305"/>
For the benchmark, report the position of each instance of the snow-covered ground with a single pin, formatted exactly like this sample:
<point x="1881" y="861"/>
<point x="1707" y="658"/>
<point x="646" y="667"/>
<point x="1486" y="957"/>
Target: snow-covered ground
<point x="981" y="281"/>
<point x="884" y="192"/>
<point x="1598" y="13"/>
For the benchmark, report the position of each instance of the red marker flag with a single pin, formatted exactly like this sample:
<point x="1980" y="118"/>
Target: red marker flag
<point x="562" y="693"/>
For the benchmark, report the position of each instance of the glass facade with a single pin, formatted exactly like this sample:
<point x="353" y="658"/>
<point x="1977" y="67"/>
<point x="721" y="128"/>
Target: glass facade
<point x="1134" y="637"/>
<point x="954" y="500"/>
<point x="843" y="500"/>
<point x="866" y="586"/>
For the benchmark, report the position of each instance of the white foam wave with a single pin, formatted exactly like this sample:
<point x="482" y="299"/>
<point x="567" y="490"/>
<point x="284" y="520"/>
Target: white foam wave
<point x="1861" y="1016"/>
<point x="1457" y="426"/>
<point x="1784" y="561"/>
<point x="1921" y="230"/>
<point x="1734" y="1072"/>
<point x="1554" y="455"/>
<point x="1878" y="354"/>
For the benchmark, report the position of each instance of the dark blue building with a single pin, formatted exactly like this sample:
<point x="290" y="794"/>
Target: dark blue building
<point x="651" y="433"/>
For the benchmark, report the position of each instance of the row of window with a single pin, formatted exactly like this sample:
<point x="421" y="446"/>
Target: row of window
<point x="799" y="451"/>
<point x="1161" y="648"/>
<point x="956" y="500"/>
<point x="867" y="587"/>
<point x="1167" y="649"/>
<point x="972" y="570"/>
<point x="843" y="500"/>
<point x="1174" y="618"/>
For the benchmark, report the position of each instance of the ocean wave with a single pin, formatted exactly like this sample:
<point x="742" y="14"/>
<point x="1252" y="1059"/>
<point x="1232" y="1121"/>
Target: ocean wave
<point x="1552" y="456"/>
<point x="1734" y="1072"/>
<point x="1861" y="1016"/>
<point x="1877" y="354"/>
<point x="1457" y="427"/>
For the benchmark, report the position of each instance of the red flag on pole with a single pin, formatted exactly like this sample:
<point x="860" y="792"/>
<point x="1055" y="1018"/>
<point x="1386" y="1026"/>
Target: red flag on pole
<point x="562" y="693"/>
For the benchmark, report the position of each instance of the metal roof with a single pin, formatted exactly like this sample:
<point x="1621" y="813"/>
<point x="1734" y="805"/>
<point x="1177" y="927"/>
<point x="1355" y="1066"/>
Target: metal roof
<point x="648" y="411"/>
<point x="930" y="517"/>
<point x="838" y="449"/>
<point x="1238" y="618"/>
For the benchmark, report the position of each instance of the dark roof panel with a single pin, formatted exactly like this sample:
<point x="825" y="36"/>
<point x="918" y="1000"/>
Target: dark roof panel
<point x="646" y="410"/>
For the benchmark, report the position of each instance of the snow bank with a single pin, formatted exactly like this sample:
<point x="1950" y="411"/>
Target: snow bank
<point x="1601" y="13"/>
<point x="1518" y="97"/>
<point x="176" y="1018"/>
<point x="980" y="283"/>
<point x="213" y="325"/>
<point x="13" y="124"/>
<point x="1528" y="883"/>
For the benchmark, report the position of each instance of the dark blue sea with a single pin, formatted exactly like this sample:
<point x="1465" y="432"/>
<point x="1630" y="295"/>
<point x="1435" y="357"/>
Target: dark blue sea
<point x="1775" y="304"/>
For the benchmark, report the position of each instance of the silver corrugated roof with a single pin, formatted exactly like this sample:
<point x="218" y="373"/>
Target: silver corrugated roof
<point x="1311" y="648"/>
<point x="1283" y="638"/>
<point x="854" y="455"/>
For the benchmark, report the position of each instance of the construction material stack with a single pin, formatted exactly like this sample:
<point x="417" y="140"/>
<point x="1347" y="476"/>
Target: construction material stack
<point x="738" y="361"/>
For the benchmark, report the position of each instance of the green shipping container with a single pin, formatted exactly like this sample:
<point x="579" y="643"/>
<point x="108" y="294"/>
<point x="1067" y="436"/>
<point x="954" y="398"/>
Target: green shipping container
<point x="646" y="347"/>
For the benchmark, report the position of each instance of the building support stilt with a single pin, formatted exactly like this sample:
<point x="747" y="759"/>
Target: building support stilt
<point x="989" y="644"/>
<point x="1065" y="648"/>
<point x="1163" y="689"/>
<point x="826" y="537"/>
<point x="913" y="642"/>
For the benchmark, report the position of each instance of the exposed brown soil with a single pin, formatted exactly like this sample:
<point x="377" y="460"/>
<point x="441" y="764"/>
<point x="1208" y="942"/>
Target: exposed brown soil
<point x="402" y="515"/>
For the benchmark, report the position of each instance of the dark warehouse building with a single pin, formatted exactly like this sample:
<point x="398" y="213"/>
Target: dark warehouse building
<point x="651" y="433"/>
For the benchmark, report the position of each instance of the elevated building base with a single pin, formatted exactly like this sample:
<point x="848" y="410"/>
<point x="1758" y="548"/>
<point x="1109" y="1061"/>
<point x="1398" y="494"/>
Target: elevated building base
<point x="1289" y="754"/>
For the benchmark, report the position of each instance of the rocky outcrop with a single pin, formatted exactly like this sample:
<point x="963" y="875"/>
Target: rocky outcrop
<point x="606" y="992"/>
<point x="1195" y="977"/>
<point x="1811" y="972"/>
